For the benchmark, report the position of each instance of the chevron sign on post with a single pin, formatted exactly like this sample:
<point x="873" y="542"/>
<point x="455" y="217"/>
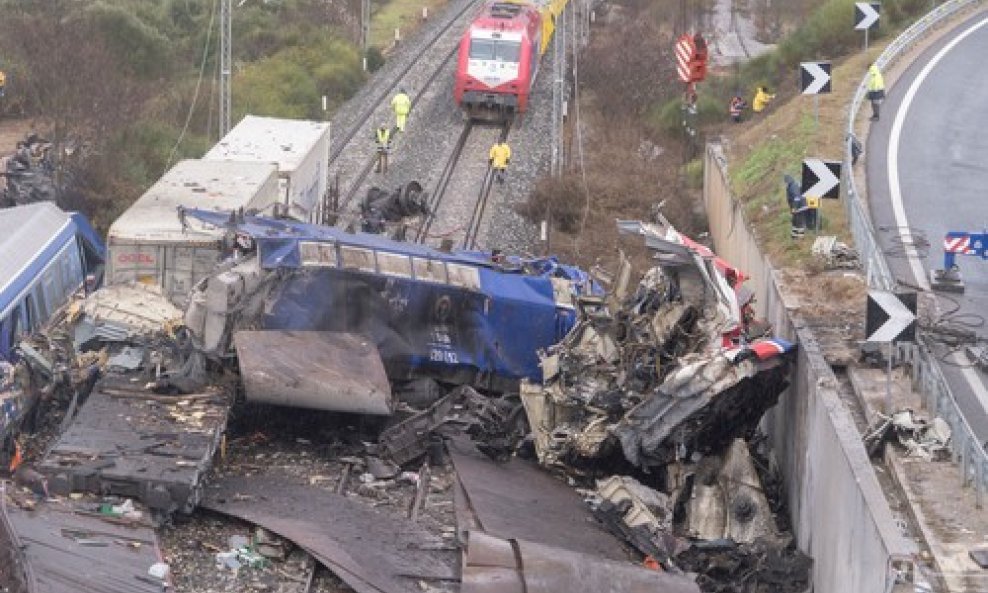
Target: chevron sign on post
<point x="684" y="53"/>
<point x="890" y="317"/>
<point x="821" y="178"/>
<point x="866" y="15"/>
<point x="814" y="77"/>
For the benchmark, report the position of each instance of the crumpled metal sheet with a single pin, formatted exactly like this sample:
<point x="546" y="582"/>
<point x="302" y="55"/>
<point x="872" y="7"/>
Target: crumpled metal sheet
<point x="646" y="506"/>
<point x="129" y="309"/>
<point x="406" y="440"/>
<point x="321" y="370"/>
<point x="733" y="504"/>
<point x="929" y="440"/>
<point x="502" y="565"/>
<point x="370" y="551"/>
<point x="518" y="500"/>
<point x="54" y="561"/>
<point x="701" y="408"/>
<point x="128" y="359"/>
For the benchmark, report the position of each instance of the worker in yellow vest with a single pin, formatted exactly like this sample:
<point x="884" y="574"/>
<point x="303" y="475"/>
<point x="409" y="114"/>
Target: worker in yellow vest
<point x="876" y="90"/>
<point x="402" y="105"/>
<point x="382" y="136"/>
<point x="499" y="158"/>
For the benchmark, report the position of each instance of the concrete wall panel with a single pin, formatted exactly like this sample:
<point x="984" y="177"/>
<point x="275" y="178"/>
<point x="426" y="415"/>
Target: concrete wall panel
<point x="839" y="513"/>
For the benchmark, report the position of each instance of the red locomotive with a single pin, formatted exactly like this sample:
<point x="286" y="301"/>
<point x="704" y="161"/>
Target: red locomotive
<point x="498" y="59"/>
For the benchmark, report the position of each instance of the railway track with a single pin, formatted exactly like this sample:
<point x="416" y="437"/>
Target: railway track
<point x="474" y="177"/>
<point x="352" y="154"/>
<point x="357" y="182"/>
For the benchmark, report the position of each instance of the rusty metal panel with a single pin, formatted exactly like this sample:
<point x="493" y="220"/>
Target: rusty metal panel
<point x="518" y="500"/>
<point x="498" y="565"/>
<point x="370" y="551"/>
<point x="333" y="371"/>
<point x="62" y="551"/>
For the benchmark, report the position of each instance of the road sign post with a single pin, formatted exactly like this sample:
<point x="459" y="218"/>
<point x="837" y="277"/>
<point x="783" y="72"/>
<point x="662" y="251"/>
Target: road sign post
<point x="866" y="17"/>
<point x="890" y="318"/>
<point x="814" y="79"/>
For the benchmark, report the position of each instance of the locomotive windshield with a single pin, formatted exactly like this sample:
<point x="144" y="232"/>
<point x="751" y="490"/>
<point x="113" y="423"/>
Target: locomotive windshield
<point x="495" y="49"/>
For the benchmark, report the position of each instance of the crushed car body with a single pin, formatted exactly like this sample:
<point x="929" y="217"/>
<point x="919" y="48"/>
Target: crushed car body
<point x="661" y="373"/>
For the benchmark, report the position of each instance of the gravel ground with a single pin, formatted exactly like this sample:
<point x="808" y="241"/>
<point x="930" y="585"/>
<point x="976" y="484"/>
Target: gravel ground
<point x="353" y="143"/>
<point x="433" y="127"/>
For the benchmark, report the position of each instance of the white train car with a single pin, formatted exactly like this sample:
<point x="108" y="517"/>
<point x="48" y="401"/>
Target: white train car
<point x="300" y="149"/>
<point x="150" y="244"/>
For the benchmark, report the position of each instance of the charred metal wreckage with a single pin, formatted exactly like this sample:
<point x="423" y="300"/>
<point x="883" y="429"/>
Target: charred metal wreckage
<point x="645" y="397"/>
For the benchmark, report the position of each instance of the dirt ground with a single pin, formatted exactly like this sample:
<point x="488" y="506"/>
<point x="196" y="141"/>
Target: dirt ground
<point x="12" y="130"/>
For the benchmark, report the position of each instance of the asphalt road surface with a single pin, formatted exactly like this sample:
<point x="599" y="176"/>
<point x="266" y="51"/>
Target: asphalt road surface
<point x="927" y="171"/>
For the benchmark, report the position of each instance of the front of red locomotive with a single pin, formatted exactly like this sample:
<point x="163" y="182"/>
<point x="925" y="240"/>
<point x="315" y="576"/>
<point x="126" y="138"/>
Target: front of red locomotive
<point x="498" y="58"/>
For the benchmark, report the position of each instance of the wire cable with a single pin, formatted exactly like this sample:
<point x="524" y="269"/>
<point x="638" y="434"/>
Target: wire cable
<point x="195" y="96"/>
<point x="904" y="238"/>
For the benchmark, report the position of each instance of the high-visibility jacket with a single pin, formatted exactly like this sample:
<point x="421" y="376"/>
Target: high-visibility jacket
<point x="875" y="80"/>
<point x="737" y="106"/>
<point x="383" y="136"/>
<point x="500" y="155"/>
<point x="401" y="104"/>
<point x="762" y="99"/>
<point x="3" y="78"/>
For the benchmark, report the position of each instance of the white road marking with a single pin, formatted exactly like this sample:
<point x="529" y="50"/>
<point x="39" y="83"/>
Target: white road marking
<point x="895" y="189"/>
<point x="895" y="194"/>
<point x="973" y="379"/>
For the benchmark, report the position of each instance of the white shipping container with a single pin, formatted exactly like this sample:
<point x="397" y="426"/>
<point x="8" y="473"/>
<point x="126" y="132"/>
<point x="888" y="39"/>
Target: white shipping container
<point x="300" y="148"/>
<point x="149" y="244"/>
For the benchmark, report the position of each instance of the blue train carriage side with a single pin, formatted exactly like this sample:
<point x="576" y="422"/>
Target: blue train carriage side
<point x="457" y="317"/>
<point x="47" y="256"/>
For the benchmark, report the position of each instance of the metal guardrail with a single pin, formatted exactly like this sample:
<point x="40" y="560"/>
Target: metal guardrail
<point x="927" y="375"/>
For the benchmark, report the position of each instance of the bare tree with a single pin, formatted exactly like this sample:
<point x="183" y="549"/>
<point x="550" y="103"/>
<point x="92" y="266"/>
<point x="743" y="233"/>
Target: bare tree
<point x="68" y="77"/>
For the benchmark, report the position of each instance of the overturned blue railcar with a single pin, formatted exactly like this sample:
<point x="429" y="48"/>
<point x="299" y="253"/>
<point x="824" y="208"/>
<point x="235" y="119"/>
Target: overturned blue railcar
<point x="46" y="256"/>
<point x="460" y="317"/>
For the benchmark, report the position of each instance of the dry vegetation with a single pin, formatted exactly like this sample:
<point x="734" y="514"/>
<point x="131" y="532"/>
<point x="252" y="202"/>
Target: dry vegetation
<point x="617" y="168"/>
<point x="627" y="168"/>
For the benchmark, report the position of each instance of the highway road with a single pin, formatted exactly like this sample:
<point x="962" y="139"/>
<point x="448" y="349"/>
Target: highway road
<point x="927" y="166"/>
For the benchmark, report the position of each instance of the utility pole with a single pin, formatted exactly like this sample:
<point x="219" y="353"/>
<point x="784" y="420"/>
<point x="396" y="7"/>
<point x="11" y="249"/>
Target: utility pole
<point x="557" y="99"/>
<point x="364" y="28"/>
<point x="225" y="65"/>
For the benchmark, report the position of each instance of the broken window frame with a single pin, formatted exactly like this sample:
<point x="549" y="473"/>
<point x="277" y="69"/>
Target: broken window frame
<point x="360" y="259"/>
<point x="429" y="270"/>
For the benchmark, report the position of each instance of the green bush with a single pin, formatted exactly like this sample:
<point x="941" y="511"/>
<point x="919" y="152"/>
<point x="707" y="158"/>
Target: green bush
<point x="668" y="117"/>
<point x="693" y="172"/>
<point x="292" y="82"/>
<point x="137" y="44"/>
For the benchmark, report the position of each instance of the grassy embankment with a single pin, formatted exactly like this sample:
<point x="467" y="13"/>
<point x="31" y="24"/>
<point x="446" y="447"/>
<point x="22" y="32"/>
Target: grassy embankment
<point x="404" y="15"/>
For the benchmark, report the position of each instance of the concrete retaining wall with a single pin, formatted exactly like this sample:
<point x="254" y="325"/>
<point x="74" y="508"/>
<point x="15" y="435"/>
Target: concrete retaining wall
<point x="839" y="513"/>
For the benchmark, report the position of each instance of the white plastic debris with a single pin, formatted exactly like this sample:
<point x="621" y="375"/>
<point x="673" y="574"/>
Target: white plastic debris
<point x="159" y="570"/>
